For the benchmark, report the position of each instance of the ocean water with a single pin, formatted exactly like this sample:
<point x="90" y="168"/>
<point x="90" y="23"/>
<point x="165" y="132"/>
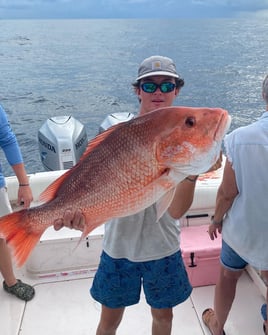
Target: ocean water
<point x="85" y="68"/>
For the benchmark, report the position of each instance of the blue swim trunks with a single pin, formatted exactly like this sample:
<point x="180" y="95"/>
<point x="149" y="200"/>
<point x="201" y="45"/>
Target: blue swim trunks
<point x="118" y="282"/>
<point x="230" y="259"/>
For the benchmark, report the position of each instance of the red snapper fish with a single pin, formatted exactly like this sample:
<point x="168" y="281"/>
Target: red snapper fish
<point x="123" y="171"/>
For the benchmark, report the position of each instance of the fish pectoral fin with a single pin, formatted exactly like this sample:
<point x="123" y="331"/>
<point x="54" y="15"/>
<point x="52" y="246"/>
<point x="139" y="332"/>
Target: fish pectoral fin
<point x="163" y="203"/>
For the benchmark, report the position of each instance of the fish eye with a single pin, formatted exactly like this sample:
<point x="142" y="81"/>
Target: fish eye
<point x="190" y="121"/>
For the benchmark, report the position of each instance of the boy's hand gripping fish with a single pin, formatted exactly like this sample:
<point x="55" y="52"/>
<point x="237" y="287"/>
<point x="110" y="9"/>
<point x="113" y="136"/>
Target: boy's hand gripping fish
<point x="124" y="170"/>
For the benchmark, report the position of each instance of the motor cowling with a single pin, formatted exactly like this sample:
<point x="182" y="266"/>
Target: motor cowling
<point x="62" y="141"/>
<point x="113" y="119"/>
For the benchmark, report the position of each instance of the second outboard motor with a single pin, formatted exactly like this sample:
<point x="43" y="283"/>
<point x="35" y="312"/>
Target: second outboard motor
<point x="113" y="119"/>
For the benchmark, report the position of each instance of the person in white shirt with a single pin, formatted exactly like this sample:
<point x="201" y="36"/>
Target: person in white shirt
<point x="241" y="214"/>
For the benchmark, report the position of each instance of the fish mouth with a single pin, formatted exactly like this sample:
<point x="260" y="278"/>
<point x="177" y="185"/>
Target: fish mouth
<point x="222" y="127"/>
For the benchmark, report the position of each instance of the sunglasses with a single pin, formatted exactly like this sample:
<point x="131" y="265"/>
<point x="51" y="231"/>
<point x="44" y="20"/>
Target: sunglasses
<point x="165" y="87"/>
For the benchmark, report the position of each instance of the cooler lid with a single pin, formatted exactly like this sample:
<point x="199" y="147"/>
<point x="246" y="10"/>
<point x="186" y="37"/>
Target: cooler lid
<point x="196" y="239"/>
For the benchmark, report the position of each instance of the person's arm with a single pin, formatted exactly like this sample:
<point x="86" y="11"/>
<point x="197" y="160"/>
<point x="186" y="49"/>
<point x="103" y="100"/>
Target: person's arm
<point x="25" y="195"/>
<point x="183" y="197"/>
<point x="184" y="193"/>
<point x="225" y="196"/>
<point x="9" y="144"/>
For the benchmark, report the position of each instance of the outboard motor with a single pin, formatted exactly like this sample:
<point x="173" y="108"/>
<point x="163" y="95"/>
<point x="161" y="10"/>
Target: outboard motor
<point x="113" y="119"/>
<point x="62" y="141"/>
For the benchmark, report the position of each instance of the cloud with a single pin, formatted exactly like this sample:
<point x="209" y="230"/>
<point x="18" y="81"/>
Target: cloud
<point x="130" y="8"/>
<point x="240" y="5"/>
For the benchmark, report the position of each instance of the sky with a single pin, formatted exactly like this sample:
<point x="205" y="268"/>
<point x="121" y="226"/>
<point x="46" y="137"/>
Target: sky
<point x="61" y="9"/>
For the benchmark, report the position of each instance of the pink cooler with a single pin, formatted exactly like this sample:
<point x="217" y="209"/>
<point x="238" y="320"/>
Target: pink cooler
<point x="200" y="255"/>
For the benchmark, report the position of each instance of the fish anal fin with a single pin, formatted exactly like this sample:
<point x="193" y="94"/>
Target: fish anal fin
<point x="164" y="202"/>
<point x="89" y="227"/>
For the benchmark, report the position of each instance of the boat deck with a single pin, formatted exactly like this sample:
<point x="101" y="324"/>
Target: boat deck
<point x="63" y="306"/>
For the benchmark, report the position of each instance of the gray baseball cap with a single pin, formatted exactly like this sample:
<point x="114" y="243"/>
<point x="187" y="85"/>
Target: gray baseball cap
<point x="157" y="66"/>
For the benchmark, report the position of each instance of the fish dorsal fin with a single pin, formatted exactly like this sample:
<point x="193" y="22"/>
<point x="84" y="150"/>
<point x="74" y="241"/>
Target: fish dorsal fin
<point x="97" y="140"/>
<point x="51" y="191"/>
<point x="163" y="203"/>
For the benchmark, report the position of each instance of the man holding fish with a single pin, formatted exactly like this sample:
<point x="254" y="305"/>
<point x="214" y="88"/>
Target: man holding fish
<point x="143" y="249"/>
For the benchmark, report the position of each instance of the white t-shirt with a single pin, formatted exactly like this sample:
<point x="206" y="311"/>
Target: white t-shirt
<point x="245" y="226"/>
<point x="140" y="238"/>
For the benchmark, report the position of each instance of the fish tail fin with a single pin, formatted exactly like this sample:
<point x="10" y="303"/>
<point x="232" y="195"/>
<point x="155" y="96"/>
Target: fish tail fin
<point x="15" y="229"/>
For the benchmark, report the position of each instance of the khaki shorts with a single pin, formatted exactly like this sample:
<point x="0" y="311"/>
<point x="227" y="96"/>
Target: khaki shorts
<point x="5" y="207"/>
